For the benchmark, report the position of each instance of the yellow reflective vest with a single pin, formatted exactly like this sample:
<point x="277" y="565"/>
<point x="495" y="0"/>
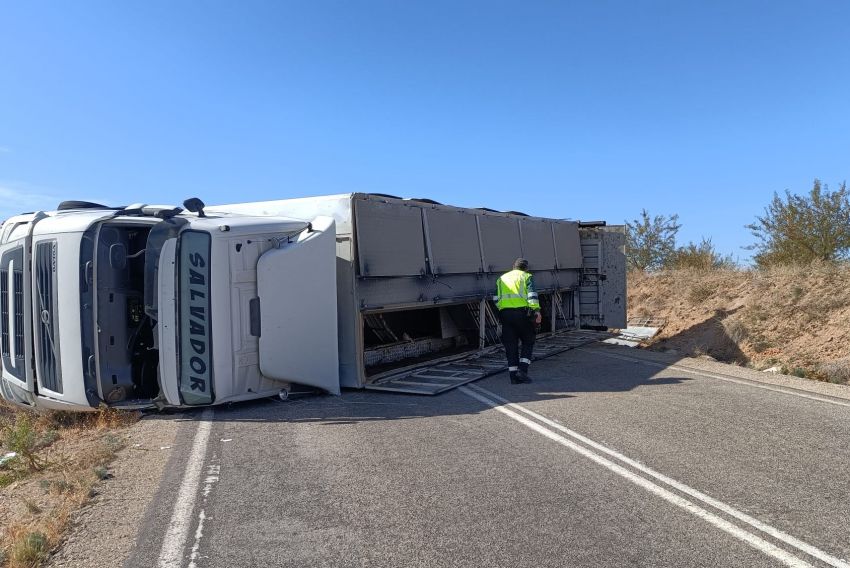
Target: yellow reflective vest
<point x="515" y="289"/>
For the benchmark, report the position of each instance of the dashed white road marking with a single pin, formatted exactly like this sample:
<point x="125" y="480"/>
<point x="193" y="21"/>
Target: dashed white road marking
<point x="199" y="533"/>
<point x="171" y="554"/>
<point x="512" y="410"/>
<point x="213" y="473"/>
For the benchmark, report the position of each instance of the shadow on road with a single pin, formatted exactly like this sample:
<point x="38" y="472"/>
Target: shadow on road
<point x="562" y="376"/>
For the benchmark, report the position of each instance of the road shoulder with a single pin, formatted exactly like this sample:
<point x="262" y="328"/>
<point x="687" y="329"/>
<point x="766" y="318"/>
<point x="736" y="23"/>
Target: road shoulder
<point x="698" y="365"/>
<point x="104" y="532"/>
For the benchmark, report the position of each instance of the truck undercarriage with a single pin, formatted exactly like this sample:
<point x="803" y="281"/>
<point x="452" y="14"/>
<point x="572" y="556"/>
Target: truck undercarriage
<point x="403" y="338"/>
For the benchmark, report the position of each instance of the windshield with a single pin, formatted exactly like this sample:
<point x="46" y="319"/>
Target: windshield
<point x="194" y="340"/>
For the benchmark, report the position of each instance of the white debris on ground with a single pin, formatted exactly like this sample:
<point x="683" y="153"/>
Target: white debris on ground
<point x="633" y="336"/>
<point x="637" y="331"/>
<point x="7" y="457"/>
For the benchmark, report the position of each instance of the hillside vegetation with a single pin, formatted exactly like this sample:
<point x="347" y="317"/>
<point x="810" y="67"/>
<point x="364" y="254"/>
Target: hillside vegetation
<point x="795" y="319"/>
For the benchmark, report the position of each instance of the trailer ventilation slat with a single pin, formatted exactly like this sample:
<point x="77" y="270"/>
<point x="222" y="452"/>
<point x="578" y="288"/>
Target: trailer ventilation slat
<point x="46" y="336"/>
<point x="440" y="377"/>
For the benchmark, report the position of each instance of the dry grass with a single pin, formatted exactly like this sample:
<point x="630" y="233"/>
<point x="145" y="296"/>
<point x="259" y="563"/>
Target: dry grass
<point x="837" y="371"/>
<point x="797" y="317"/>
<point x="30" y="548"/>
<point x="735" y="329"/>
<point x="700" y="292"/>
<point x="61" y="458"/>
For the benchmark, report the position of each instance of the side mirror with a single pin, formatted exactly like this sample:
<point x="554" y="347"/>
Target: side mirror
<point x="195" y="205"/>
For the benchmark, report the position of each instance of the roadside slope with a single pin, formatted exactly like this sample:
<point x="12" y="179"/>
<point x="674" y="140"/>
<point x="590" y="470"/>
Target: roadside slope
<point x="794" y="318"/>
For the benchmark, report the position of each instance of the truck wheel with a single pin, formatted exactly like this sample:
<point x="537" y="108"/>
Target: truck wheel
<point x="65" y="205"/>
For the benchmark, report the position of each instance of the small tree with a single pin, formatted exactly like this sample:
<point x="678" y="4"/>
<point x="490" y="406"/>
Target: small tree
<point x="699" y="256"/>
<point x="651" y="241"/>
<point x="799" y="229"/>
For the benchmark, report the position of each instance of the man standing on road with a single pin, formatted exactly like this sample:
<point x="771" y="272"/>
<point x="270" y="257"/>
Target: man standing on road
<point x="519" y="312"/>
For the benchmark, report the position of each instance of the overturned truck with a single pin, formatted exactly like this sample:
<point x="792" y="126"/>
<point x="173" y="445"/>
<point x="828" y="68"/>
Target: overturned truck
<point x="160" y="306"/>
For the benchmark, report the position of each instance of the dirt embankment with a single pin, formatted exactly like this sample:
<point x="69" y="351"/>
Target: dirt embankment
<point x="795" y="319"/>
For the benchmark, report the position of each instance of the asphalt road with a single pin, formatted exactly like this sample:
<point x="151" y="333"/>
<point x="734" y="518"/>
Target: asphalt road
<point x="602" y="461"/>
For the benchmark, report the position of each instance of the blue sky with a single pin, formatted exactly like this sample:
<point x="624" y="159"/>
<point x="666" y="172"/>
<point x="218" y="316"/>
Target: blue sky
<point x="586" y="110"/>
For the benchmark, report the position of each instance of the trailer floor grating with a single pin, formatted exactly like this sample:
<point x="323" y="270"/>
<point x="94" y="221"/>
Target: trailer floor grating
<point x="440" y="377"/>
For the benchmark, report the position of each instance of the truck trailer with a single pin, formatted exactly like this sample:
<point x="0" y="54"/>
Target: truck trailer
<point x="162" y="306"/>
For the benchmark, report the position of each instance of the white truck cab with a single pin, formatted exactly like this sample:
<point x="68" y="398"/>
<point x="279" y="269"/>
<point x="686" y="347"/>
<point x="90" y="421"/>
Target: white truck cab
<point x="155" y="306"/>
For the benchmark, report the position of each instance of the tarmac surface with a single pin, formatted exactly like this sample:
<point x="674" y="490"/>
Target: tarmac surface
<point x="612" y="457"/>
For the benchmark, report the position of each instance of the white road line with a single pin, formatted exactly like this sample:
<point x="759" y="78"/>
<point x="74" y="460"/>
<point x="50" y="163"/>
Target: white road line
<point x="199" y="534"/>
<point x="753" y="522"/>
<point x="753" y="540"/>
<point x="750" y="383"/>
<point x="213" y="473"/>
<point x="171" y="554"/>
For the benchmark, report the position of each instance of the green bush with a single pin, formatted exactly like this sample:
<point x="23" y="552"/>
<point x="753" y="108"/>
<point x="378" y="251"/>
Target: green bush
<point x="650" y="241"/>
<point x="20" y="436"/>
<point x="800" y="229"/>
<point x="699" y="256"/>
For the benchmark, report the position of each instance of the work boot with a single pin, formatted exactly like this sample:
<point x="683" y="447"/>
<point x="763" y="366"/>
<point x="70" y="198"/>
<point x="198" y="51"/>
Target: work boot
<point x="522" y="370"/>
<point x="515" y="380"/>
<point x="522" y="377"/>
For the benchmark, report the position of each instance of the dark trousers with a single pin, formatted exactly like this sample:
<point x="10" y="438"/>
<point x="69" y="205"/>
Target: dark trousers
<point x="517" y="326"/>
